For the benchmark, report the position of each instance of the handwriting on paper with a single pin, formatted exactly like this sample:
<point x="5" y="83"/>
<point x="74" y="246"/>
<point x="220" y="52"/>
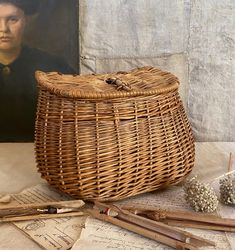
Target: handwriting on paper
<point x="100" y="235"/>
<point x="171" y="198"/>
<point x="51" y="234"/>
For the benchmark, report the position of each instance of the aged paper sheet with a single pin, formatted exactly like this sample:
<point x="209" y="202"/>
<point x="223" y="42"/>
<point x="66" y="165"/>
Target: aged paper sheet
<point x="99" y="235"/>
<point x="50" y="234"/>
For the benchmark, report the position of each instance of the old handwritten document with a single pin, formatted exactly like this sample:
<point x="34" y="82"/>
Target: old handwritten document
<point x="99" y="235"/>
<point x="50" y="234"/>
<point x="64" y="233"/>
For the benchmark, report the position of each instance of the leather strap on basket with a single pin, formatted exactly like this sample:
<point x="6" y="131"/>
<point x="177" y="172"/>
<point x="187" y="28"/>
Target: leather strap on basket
<point x="119" y="84"/>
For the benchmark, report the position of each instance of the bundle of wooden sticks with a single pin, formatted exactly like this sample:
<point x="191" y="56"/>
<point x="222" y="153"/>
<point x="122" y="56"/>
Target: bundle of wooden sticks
<point x="146" y="222"/>
<point x="158" y="231"/>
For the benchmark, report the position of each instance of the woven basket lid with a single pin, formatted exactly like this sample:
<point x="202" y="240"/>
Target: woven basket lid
<point x="141" y="81"/>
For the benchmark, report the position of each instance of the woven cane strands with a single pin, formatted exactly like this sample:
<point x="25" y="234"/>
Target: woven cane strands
<point x="95" y="142"/>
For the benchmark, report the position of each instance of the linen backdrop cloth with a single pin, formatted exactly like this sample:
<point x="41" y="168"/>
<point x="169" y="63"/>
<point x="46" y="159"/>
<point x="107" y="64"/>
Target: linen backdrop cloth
<point x="194" y="39"/>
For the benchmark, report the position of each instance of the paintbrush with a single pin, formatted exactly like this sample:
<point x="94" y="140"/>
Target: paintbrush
<point x="185" y="219"/>
<point x="46" y="210"/>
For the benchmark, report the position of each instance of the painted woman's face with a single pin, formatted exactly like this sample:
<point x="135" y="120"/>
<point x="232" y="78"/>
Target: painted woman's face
<point x="12" y="25"/>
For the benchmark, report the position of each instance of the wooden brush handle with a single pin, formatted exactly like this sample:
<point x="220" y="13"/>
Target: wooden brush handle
<point x="57" y="204"/>
<point x="39" y="216"/>
<point x="161" y="215"/>
<point x="199" y="225"/>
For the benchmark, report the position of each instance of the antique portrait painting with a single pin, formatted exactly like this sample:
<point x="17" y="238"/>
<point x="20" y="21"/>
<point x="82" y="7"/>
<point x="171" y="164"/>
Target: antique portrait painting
<point x="34" y="35"/>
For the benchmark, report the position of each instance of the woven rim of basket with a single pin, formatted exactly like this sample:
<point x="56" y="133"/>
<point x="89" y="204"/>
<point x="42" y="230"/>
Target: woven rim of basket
<point x="46" y="83"/>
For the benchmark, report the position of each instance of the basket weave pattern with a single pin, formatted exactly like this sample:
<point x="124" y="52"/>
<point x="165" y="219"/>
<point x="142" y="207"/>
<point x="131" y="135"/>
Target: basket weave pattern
<point x="112" y="144"/>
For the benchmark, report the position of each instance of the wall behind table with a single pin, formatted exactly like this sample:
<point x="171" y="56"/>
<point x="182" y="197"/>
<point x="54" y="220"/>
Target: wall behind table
<point x="195" y="40"/>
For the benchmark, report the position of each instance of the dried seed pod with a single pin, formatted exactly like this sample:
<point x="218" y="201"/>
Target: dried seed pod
<point x="201" y="198"/>
<point x="227" y="190"/>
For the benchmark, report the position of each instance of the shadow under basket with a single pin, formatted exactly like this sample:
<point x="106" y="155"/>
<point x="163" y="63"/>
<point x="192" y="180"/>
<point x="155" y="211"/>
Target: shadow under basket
<point x="112" y="136"/>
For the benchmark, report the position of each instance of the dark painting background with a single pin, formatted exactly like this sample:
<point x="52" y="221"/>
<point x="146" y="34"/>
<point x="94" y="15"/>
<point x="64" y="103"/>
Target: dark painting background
<point x="55" y="29"/>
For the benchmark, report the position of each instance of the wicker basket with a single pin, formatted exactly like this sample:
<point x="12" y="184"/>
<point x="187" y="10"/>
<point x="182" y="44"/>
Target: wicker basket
<point x="111" y="136"/>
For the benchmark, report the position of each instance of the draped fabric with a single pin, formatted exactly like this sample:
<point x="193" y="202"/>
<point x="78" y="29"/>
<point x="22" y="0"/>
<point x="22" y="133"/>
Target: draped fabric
<point x="195" y="40"/>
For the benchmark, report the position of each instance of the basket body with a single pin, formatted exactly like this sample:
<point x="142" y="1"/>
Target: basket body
<point x="111" y="148"/>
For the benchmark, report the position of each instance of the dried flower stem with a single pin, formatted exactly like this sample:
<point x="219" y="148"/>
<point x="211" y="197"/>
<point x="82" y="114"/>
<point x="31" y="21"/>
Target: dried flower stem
<point x="229" y="169"/>
<point x="230" y="162"/>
